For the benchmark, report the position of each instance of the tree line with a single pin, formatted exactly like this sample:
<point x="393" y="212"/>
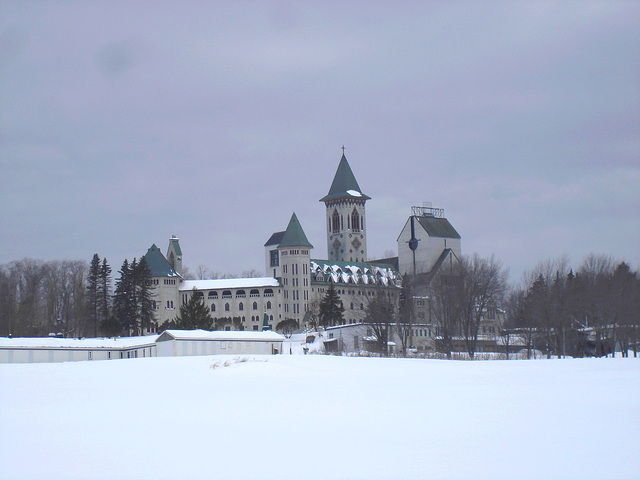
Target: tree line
<point x="555" y="309"/>
<point x="587" y="312"/>
<point x="73" y="298"/>
<point x="559" y="311"/>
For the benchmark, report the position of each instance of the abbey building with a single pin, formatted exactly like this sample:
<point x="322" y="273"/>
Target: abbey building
<point x="296" y="279"/>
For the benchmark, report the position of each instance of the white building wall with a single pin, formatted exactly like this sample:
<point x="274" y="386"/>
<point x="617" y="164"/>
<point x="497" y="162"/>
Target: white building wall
<point x="428" y="251"/>
<point x="54" y="355"/>
<point x="270" y="269"/>
<point x="249" y="307"/>
<point x="165" y="294"/>
<point x="180" y="347"/>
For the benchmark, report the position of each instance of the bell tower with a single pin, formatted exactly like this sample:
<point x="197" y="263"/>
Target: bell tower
<point x="346" y="224"/>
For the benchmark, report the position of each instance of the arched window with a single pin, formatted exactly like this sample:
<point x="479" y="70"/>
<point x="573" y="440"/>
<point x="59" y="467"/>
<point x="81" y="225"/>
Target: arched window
<point x="254" y="293"/>
<point x="255" y="305"/>
<point x="240" y="306"/>
<point x="335" y="220"/>
<point x="213" y="307"/>
<point x="226" y="307"/>
<point x="241" y="293"/>
<point x="213" y="294"/>
<point x="226" y="294"/>
<point x="268" y="305"/>
<point x="355" y="221"/>
<point x="268" y="292"/>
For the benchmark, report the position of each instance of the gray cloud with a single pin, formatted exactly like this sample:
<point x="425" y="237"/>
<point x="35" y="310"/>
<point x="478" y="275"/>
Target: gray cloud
<point x="122" y="123"/>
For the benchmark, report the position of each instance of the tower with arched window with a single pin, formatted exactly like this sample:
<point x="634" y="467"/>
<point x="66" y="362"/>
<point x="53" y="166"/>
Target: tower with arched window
<point x="345" y="210"/>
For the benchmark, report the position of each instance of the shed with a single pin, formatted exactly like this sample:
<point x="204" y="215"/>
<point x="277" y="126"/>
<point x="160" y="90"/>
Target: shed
<point x="173" y="343"/>
<point x="52" y="349"/>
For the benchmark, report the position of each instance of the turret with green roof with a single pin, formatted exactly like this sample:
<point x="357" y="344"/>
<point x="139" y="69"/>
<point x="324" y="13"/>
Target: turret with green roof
<point x="295" y="257"/>
<point x="294" y="235"/>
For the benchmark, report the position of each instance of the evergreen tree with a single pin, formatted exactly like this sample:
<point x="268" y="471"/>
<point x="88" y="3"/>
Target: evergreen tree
<point x="104" y="292"/>
<point x="331" y="309"/>
<point x="92" y="298"/>
<point x="193" y="314"/>
<point x="144" y="303"/>
<point x="124" y="299"/>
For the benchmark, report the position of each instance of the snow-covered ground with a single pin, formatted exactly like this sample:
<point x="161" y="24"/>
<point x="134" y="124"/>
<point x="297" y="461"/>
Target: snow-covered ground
<point x="320" y="417"/>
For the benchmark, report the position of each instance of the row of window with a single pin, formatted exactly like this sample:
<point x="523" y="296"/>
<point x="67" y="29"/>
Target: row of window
<point x="268" y="292"/>
<point x="227" y="307"/>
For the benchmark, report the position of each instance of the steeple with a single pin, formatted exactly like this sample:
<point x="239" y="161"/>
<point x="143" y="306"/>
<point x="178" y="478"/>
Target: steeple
<point x="345" y="210"/>
<point x="344" y="184"/>
<point x="174" y="254"/>
<point x="294" y="235"/>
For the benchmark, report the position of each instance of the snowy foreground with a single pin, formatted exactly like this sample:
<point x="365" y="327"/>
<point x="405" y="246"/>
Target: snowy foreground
<point x="320" y="417"/>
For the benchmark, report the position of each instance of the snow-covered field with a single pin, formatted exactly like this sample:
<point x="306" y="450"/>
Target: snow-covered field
<point x="320" y="417"/>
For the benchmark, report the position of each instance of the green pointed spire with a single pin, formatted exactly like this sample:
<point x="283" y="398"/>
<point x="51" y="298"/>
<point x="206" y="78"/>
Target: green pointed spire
<point x="294" y="235"/>
<point x="265" y="323"/>
<point x="344" y="184"/>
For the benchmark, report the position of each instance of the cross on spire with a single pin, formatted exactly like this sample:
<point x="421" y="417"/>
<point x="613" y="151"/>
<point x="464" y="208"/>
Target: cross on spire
<point x="342" y="149"/>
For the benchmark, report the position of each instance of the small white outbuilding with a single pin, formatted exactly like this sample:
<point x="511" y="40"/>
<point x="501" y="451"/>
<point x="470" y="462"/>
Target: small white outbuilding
<point x="52" y="349"/>
<point x="177" y="343"/>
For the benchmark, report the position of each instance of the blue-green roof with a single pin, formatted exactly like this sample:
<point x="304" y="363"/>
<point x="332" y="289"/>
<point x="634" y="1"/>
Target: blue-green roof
<point x="158" y="264"/>
<point x="438" y="227"/>
<point x="176" y="245"/>
<point x="294" y="235"/>
<point x="344" y="184"/>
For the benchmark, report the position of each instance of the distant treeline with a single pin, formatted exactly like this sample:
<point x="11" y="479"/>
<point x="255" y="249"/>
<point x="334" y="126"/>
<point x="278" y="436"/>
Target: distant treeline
<point x="556" y="309"/>
<point x="586" y="312"/>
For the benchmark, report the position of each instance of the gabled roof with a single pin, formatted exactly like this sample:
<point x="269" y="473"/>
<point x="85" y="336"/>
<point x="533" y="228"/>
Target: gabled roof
<point x="274" y="239"/>
<point x="438" y="227"/>
<point x="426" y="278"/>
<point x="158" y="264"/>
<point x="393" y="261"/>
<point x="344" y="184"/>
<point x="294" y="235"/>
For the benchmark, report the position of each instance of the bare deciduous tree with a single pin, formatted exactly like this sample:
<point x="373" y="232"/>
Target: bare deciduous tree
<point x="483" y="283"/>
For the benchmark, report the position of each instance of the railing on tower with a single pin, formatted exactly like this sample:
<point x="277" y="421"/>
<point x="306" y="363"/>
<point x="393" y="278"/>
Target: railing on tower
<point x="427" y="211"/>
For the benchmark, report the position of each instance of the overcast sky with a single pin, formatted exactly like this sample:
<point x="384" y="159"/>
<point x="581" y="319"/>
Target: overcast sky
<point x="123" y="123"/>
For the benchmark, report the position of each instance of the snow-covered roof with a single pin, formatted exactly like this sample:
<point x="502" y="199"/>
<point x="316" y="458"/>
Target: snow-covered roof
<point x="353" y="272"/>
<point x="221" y="283"/>
<point x="82" y="343"/>
<point x="268" y="336"/>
